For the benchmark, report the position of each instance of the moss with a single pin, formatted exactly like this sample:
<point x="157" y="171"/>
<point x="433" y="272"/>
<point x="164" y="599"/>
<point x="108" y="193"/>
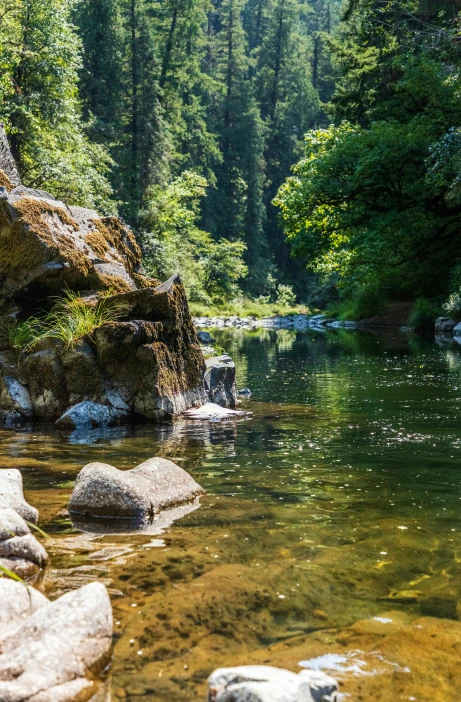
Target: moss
<point x="114" y="283"/>
<point x="35" y="238"/>
<point x="113" y="232"/>
<point x="98" y="243"/>
<point x="5" y="182"/>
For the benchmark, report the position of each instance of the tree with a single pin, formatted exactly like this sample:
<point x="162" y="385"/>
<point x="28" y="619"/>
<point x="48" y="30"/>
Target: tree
<point x="173" y="243"/>
<point x="40" y="58"/>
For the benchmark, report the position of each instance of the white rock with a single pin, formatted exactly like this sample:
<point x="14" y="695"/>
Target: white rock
<point x="11" y="494"/>
<point x="18" y="603"/>
<point x="211" y="411"/>
<point x="261" y="683"/>
<point x="20" y="552"/>
<point x="57" y="652"/>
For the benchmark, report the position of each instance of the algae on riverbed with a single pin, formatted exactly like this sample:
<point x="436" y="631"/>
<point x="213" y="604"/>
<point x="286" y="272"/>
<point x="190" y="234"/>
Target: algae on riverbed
<point x="331" y="523"/>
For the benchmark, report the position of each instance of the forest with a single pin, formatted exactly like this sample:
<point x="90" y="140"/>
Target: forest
<point x="271" y="149"/>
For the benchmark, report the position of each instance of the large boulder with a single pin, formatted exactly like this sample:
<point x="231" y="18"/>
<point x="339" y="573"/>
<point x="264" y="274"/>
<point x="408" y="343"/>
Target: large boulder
<point x="86" y="415"/>
<point x="57" y="654"/>
<point x="263" y="683"/>
<point x="18" y="603"/>
<point x="104" y="491"/>
<point x="20" y="552"/>
<point x="11" y="495"/>
<point x="220" y="380"/>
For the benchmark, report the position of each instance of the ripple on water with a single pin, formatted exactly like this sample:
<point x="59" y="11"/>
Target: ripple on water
<point x="330" y="533"/>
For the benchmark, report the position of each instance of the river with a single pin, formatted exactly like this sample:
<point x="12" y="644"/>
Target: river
<point x="330" y="534"/>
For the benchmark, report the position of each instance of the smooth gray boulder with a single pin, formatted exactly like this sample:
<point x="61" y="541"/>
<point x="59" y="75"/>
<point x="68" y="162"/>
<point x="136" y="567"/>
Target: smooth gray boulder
<point x="20" y="552"/>
<point x="18" y="603"/>
<point x="104" y="491"/>
<point x="457" y="329"/>
<point x="57" y="654"/>
<point x="86" y="415"/>
<point x="263" y="683"/>
<point x="11" y="494"/>
<point x="220" y="380"/>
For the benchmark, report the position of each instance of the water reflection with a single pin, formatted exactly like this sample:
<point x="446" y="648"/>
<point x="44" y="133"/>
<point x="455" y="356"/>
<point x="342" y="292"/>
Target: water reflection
<point x="331" y="524"/>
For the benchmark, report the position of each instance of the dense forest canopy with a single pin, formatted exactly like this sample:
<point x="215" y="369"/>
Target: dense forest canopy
<point x="184" y="115"/>
<point x="375" y="202"/>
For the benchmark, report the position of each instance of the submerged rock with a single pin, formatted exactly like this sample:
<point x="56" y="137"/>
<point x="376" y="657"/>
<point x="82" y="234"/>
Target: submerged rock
<point x="18" y="602"/>
<point x="104" y="491"/>
<point x="11" y="495"/>
<point x="214" y="412"/>
<point x="20" y="552"/>
<point x="58" y="652"/>
<point x="220" y="380"/>
<point x="261" y="683"/>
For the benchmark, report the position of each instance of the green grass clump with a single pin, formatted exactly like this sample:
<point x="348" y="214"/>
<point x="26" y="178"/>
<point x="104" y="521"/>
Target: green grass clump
<point x="71" y="319"/>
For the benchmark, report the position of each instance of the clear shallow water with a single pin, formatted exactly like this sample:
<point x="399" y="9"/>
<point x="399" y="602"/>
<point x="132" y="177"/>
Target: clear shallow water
<point x="330" y="534"/>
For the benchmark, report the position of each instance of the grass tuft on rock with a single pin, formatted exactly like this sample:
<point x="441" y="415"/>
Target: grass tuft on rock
<point x="71" y="319"/>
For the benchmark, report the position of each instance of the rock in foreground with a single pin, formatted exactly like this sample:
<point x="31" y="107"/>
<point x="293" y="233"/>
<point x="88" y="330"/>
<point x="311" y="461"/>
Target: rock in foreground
<point x="11" y="495"/>
<point x="104" y="491"/>
<point x="58" y="652"/>
<point x="18" y="603"/>
<point x="20" y="552"/>
<point x="261" y="683"/>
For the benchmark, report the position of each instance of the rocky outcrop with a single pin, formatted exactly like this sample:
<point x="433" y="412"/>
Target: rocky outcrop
<point x="56" y="654"/>
<point x="220" y="380"/>
<point x="20" y="552"/>
<point x="148" y="364"/>
<point x="262" y="683"/>
<point x="11" y="495"/>
<point x="138" y="494"/>
<point x="150" y="368"/>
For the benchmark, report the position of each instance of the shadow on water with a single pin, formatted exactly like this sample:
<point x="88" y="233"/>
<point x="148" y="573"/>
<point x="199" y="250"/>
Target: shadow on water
<point x="330" y="533"/>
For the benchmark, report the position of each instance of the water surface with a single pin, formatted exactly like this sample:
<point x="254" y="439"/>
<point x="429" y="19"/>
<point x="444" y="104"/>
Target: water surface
<point x="330" y="534"/>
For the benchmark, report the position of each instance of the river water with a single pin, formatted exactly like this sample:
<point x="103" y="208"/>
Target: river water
<point x="330" y="534"/>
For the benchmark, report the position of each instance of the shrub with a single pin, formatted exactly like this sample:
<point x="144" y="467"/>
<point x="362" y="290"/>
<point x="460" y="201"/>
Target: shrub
<point x="453" y="305"/>
<point x="286" y="295"/>
<point x="423" y="314"/>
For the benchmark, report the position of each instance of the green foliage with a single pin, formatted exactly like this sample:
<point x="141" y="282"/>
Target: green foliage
<point x="71" y="319"/>
<point x="424" y="313"/>
<point x="172" y="242"/>
<point x="453" y="305"/>
<point x="39" y="103"/>
<point x="376" y="197"/>
<point x="244" y="307"/>
<point x="286" y="295"/>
